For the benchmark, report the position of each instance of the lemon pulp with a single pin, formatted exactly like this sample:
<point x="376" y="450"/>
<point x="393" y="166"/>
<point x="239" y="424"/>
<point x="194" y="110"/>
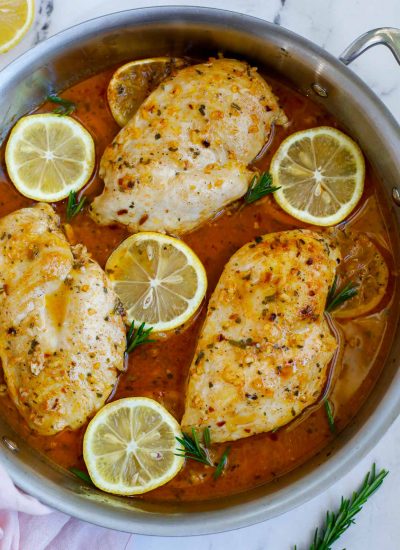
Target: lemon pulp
<point x="320" y="173"/>
<point x="134" y="81"/>
<point x="48" y="156"/>
<point x="159" y="279"/>
<point x="129" y="446"/>
<point x="364" y="265"/>
<point x="16" y="17"/>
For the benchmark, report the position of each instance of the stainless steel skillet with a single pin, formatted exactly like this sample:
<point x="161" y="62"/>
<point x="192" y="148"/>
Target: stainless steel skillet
<point x="97" y="44"/>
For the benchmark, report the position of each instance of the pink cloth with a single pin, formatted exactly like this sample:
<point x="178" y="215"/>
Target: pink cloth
<point x="26" y="524"/>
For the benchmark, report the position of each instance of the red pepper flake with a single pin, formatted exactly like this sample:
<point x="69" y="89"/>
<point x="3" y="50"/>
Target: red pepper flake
<point x="143" y="219"/>
<point x="221" y="423"/>
<point x="267" y="277"/>
<point x="310" y="261"/>
<point x="306" y="311"/>
<point x="122" y="212"/>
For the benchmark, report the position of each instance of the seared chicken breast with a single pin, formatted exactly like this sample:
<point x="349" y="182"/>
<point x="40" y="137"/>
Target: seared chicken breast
<point x="185" y="153"/>
<point x="62" y="339"/>
<point x="263" y="353"/>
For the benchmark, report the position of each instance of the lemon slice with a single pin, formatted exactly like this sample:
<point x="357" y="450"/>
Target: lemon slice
<point x="159" y="279"/>
<point x="364" y="265"/>
<point x="320" y="173"/>
<point x="134" y="81"/>
<point x="48" y="156"/>
<point x="16" y="17"/>
<point x="129" y="446"/>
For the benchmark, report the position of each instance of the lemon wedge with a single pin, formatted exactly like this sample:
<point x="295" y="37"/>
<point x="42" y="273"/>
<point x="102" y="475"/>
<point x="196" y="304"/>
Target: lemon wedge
<point x="48" y="156"/>
<point x="320" y="173"/>
<point x="16" y="17"/>
<point x="134" y="81"/>
<point x="364" y="265"/>
<point x="159" y="280"/>
<point x="129" y="446"/>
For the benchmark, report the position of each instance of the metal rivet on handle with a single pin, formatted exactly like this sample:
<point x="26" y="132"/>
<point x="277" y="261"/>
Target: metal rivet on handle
<point x="396" y="195"/>
<point x="319" y="90"/>
<point x="10" y="444"/>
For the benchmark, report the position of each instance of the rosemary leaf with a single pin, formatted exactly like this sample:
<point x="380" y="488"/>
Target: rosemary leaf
<point x="336" y="299"/>
<point x="336" y="523"/>
<point x="65" y="106"/>
<point x="82" y="475"/>
<point x="206" y="437"/>
<point x="73" y="205"/>
<point x="329" y="415"/>
<point x="259" y="187"/>
<point x="332" y="290"/>
<point x="242" y="344"/>
<point x="199" y="449"/>
<point x="137" y="337"/>
<point x="222" y="463"/>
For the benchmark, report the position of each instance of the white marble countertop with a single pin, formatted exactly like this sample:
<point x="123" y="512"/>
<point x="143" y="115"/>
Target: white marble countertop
<point x="332" y="24"/>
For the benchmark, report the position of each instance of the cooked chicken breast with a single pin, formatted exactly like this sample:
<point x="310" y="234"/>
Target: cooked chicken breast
<point x="62" y="339"/>
<point x="184" y="154"/>
<point x="263" y="353"/>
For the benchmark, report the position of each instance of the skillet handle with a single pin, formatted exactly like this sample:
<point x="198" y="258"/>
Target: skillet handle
<point x="388" y="36"/>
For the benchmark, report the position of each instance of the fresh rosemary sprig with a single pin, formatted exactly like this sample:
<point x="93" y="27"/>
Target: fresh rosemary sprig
<point x="73" y="205"/>
<point x="192" y="449"/>
<point x="259" y="187"/>
<point x="81" y="475"/>
<point x="336" y="299"/>
<point x="137" y="337"/>
<point x="329" y="415"/>
<point x="337" y="522"/>
<point x="65" y="106"/>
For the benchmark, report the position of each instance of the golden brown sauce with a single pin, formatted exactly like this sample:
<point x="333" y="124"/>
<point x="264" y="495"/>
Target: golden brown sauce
<point x="160" y="370"/>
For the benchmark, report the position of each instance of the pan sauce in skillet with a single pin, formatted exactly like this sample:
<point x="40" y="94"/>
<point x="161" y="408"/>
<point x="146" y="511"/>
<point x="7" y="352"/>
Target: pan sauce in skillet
<point x="159" y="370"/>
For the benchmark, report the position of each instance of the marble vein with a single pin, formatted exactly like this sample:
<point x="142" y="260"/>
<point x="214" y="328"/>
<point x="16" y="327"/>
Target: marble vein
<point x="43" y="20"/>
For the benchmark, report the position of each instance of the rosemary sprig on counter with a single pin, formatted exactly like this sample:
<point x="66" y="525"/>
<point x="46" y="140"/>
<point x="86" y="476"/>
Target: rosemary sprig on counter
<point x="336" y="523"/>
<point x="260" y="186"/>
<point x="65" y="106"/>
<point x="336" y="299"/>
<point x="82" y="475"/>
<point x="73" y="205"/>
<point x="329" y="415"/>
<point x="192" y="449"/>
<point x="137" y="337"/>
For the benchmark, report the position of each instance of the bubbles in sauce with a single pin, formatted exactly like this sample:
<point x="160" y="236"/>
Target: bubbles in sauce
<point x="160" y="370"/>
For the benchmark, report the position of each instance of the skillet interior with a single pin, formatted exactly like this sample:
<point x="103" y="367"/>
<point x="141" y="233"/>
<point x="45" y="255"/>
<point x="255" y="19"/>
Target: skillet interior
<point x="98" y="44"/>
